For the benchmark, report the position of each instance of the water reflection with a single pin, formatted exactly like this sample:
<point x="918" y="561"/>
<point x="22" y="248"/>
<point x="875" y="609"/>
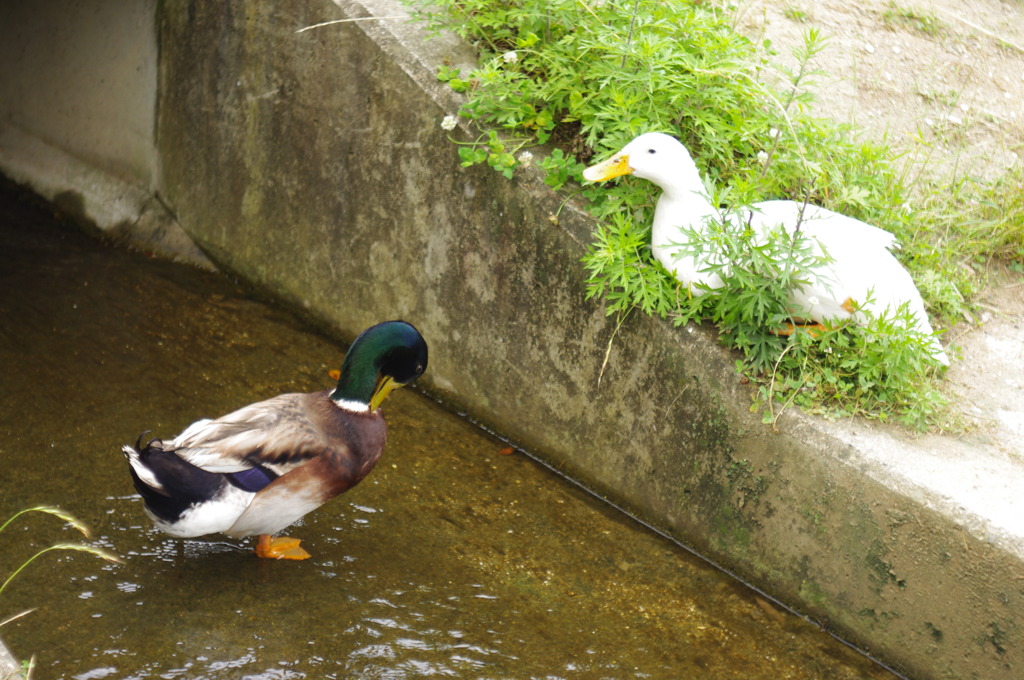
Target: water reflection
<point x="450" y="560"/>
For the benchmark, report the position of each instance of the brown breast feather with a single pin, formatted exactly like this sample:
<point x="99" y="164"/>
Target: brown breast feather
<point x="325" y="450"/>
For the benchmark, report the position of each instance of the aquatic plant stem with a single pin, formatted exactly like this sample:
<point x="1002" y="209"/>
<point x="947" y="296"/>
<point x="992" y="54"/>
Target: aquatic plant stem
<point x="17" y="616"/>
<point x="99" y="552"/>
<point x="68" y="518"/>
<point x="50" y="510"/>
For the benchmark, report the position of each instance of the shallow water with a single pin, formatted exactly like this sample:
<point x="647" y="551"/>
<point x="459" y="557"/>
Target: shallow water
<point x="450" y="560"/>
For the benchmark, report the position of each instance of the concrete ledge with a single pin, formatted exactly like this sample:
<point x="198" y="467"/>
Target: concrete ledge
<point x="120" y="209"/>
<point x="77" y="115"/>
<point x="312" y="164"/>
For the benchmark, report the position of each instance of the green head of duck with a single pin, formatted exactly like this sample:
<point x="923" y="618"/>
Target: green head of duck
<point x="383" y="357"/>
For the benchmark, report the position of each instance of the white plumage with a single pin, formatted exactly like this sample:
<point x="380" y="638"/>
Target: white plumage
<point x="861" y="269"/>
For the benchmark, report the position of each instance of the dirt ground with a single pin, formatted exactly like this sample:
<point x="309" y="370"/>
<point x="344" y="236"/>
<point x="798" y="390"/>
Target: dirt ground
<point x="957" y="84"/>
<point x="952" y="97"/>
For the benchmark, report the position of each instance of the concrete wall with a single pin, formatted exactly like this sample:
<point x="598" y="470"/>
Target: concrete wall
<point x="312" y="164"/>
<point x="78" y="86"/>
<point x="81" y="76"/>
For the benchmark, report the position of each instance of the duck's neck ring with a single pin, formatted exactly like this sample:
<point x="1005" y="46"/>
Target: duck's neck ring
<point x="351" y="405"/>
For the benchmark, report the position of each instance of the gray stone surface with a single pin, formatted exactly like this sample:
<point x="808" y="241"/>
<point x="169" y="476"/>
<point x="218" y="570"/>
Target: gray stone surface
<point x="312" y="165"/>
<point x="78" y="115"/>
<point x="10" y="669"/>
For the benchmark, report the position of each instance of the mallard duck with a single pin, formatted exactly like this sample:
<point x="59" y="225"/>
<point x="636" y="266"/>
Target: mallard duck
<point x="261" y="468"/>
<point x="861" y="269"/>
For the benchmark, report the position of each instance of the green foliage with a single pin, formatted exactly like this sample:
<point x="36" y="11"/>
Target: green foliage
<point x="870" y="370"/>
<point x="624" y="275"/>
<point x="795" y="13"/>
<point x="998" y="224"/>
<point x="560" y="168"/>
<point x="921" y="21"/>
<point x="984" y="220"/>
<point x="877" y="370"/>
<point x="588" y="77"/>
<point x="758" y="273"/>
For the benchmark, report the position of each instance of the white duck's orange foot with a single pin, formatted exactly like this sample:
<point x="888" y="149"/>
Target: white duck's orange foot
<point x="814" y="329"/>
<point x="280" y="548"/>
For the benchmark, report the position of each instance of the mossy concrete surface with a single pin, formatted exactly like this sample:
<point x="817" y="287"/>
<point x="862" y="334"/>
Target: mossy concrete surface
<point x="312" y="165"/>
<point x="77" y="115"/>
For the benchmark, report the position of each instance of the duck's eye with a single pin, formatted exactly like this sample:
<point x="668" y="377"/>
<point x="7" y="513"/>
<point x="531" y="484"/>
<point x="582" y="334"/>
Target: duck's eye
<point x="652" y="151"/>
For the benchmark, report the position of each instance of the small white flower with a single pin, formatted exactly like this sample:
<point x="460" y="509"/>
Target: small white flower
<point x="510" y="57"/>
<point x="449" y="122"/>
<point x="774" y="133"/>
<point x="762" y="156"/>
<point x="525" y="158"/>
<point x="813" y="300"/>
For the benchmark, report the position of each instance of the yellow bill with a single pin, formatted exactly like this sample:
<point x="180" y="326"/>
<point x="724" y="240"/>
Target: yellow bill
<point x="385" y="384"/>
<point x="616" y="166"/>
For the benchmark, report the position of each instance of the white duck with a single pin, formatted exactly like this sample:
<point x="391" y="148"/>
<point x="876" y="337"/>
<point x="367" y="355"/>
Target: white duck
<point x="860" y="261"/>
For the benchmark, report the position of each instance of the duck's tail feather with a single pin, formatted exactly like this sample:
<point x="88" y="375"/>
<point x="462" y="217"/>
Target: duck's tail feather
<point x="168" y="484"/>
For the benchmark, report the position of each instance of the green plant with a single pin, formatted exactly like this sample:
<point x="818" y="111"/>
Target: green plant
<point x="877" y="370"/>
<point x="990" y="218"/>
<point x="921" y="21"/>
<point x="588" y="77"/>
<point x="758" y="274"/>
<point x="624" y="275"/>
<point x="795" y="13"/>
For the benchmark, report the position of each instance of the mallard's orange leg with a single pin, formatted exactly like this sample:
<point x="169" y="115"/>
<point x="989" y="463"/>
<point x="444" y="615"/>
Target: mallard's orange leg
<point x="280" y="548"/>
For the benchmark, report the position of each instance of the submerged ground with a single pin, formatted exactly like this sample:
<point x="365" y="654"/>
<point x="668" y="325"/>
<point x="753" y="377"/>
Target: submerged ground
<point x="451" y="560"/>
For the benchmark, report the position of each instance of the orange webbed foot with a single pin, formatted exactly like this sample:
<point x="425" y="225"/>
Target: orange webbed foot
<point x="812" y="329"/>
<point x="280" y="548"/>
